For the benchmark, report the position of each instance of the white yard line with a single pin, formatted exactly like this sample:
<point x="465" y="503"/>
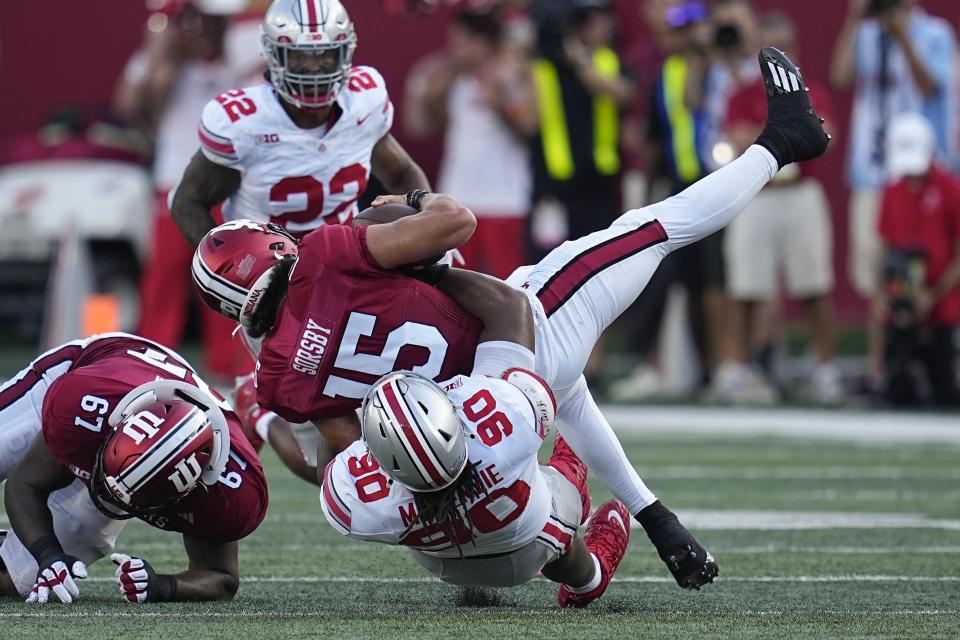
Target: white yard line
<point x="747" y="520"/>
<point x="773" y="520"/>
<point x="136" y="612"/>
<point x="308" y="579"/>
<point x="736" y="519"/>
<point x="870" y="427"/>
<point x="177" y="545"/>
<point x="683" y="472"/>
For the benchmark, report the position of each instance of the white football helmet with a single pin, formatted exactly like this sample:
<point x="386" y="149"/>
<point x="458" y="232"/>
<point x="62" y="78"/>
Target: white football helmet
<point x="309" y="47"/>
<point x="412" y="429"/>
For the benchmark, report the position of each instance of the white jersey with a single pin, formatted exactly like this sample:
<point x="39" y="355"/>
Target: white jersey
<point x="361" y="502"/>
<point x="299" y="178"/>
<point x="479" y="143"/>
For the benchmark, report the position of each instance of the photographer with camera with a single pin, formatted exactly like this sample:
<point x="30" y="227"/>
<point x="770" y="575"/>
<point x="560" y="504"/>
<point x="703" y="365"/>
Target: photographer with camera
<point x="916" y="312"/>
<point x="900" y="60"/>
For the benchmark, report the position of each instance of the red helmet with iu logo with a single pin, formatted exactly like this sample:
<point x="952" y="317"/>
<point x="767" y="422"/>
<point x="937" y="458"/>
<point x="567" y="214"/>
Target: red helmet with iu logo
<point x="233" y="263"/>
<point x="168" y="437"/>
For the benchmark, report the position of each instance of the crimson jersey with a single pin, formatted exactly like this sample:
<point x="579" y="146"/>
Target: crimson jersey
<point x="75" y="410"/>
<point x="345" y="322"/>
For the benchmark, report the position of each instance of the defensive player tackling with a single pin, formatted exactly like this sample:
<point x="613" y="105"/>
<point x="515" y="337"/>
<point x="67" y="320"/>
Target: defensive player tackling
<point x="450" y="471"/>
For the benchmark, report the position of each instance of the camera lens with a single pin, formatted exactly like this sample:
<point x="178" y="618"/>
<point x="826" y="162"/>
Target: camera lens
<point x="727" y="36"/>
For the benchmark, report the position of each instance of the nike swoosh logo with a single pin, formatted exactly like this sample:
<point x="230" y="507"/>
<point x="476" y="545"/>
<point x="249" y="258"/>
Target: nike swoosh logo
<point x="363" y="119"/>
<point x="614" y="515"/>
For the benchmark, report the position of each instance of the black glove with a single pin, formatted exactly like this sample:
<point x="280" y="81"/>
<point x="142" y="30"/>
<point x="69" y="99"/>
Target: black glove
<point x="139" y="583"/>
<point x="691" y="565"/>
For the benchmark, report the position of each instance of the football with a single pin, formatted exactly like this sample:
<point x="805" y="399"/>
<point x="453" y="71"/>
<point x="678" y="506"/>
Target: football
<point x="383" y="213"/>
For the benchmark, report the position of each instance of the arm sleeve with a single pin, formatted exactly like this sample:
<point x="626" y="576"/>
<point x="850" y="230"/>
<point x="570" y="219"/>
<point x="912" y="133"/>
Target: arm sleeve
<point x="495" y="357"/>
<point x="217" y="137"/>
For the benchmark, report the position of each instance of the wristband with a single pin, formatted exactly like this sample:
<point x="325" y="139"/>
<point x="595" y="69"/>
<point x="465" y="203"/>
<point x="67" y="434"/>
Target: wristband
<point x="163" y="588"/>
<point x="46" y="547"/>
<point x="415" y="197"/>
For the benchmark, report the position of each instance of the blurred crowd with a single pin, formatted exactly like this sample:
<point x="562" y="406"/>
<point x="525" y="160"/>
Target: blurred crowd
<point x="552" y="125"/>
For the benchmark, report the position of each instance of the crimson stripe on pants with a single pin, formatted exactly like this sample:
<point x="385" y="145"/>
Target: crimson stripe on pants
<point x="567" y="281"/>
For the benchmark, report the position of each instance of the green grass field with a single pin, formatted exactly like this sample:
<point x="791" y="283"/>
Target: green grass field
<point x="814" y="540"/>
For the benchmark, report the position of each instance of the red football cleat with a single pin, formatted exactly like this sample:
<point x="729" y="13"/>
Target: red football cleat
<point x="245" y="404"/>
<point x="607" y="536"/>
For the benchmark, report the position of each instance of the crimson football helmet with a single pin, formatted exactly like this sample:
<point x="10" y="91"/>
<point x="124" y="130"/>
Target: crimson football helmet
<point x="309" y="47"/>
<point x="233" y="264"/>
<point x="167" y="438"/>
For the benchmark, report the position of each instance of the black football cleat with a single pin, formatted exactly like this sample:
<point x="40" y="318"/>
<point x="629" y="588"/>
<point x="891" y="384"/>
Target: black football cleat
<point x="691" y="565"/>
<point x="794" y="132"/>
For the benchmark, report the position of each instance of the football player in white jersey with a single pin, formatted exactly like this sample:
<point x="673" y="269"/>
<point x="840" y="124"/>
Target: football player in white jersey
<point x="299" y="150"/>
<point x="450" y="471"/>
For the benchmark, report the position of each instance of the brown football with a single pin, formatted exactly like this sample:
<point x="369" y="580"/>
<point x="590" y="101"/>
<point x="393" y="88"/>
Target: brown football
<point x="383" y="213"/>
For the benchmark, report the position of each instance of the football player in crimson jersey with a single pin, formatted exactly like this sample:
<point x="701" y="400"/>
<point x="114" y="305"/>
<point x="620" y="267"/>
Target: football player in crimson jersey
<point x="297" y="151"/>
<point x="335" y="316"/>
<point x="98" y="431"/>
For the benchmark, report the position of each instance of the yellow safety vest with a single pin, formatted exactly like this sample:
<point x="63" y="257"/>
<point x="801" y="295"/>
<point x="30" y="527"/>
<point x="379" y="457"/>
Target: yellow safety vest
<point x="682" y="127"/>
<point x="553" y="120"/>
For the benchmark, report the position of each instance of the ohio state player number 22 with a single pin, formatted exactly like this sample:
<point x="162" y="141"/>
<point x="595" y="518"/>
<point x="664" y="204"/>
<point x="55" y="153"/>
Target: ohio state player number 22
<point x="300" y="199"/>
<point x="349" y="358"/>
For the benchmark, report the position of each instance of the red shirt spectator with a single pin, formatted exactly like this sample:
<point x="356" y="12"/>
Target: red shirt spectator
<point x="926" y="217"/>
<point x="748" y="106"/>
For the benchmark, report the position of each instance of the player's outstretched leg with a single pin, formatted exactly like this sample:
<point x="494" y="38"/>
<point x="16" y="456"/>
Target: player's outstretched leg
<point x="608" y="534"/>
<point x="585" y="284"/>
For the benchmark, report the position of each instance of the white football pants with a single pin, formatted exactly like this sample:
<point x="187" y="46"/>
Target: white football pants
<point x="583" y="285"/>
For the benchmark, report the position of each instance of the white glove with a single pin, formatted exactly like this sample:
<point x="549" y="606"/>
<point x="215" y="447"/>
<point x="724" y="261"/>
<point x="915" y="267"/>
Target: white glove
<point x="57" y="578"/>
<point x="133" y="577"/>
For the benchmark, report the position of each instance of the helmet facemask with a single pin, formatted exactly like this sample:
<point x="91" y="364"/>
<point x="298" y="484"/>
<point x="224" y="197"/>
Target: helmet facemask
<point x="309" y="76"/>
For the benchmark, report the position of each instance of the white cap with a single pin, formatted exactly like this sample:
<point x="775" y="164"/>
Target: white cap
<point x="910" y="146"/>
